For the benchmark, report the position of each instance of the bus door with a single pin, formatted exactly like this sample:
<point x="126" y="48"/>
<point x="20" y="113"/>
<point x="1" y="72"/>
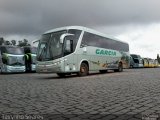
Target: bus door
<point x="70" y="62"/>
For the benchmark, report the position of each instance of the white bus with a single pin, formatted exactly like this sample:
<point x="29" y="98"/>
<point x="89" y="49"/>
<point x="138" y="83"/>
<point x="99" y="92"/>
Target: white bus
<point x="76" y="49"/>
<point x="136" y="61"/>
<point x="11" y="59"/>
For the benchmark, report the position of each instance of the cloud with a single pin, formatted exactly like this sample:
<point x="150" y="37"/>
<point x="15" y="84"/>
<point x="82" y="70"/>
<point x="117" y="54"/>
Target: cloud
<point x="37" y="16"/>
<point x="127" y="18"/>
<point x="143" y="40"/>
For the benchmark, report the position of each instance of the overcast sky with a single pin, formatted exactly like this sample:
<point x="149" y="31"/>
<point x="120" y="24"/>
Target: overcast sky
<point x="134" y="21"/>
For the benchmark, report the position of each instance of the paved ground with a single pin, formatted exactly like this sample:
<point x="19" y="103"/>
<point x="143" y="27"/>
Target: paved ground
<point x="133" y="94"/>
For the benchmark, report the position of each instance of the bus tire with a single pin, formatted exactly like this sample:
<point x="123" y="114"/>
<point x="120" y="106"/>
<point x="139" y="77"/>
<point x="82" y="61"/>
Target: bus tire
<point x="83" y="70"/>
<point x="120" y="68"/>
<point x="61" y="75"/>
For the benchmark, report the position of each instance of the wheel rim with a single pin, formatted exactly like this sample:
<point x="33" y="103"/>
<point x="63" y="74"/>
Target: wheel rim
<point x="83" y="70"/>
<point x="120" y="67"/>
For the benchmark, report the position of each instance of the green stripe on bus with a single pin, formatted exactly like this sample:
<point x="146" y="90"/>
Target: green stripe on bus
<point x="105" y="52"/>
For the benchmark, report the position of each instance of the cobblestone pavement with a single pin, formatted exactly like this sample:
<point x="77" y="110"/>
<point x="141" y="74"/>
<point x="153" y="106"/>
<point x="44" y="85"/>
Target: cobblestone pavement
<point x="131" y="95"/>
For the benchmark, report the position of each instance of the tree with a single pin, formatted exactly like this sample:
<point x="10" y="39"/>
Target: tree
<point x="13" y="42"/>
<point x="2" y="41"/>
<point x="158" y="58"/>
<point x="26" y="42"/>
<point x="23" y="43"/>
<point x="7" y="42"/>
<point x="20" y="43"/>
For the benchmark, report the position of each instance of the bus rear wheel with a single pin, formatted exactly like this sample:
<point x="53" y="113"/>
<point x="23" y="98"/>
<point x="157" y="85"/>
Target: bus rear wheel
<point x="83" y="70"/>
<point x="120" y="68"/>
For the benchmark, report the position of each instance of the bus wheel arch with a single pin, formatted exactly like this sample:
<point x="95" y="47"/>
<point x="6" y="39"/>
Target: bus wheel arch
<point x="84" y="68"/>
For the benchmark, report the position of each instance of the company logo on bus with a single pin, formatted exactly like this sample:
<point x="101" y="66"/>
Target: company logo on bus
<point x="105" y="52"/>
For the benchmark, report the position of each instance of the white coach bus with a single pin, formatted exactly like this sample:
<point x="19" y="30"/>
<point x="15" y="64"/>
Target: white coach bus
<point x="76" y="49"/>
<point x="11" y="59"/>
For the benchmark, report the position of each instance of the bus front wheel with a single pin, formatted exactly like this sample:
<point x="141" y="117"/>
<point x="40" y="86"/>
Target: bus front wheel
<point x="83" y="70"/>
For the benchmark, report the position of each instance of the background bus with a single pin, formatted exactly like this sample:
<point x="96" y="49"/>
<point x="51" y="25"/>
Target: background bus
<point x="145" y="62"/>
<point x="156" y="63"/>
<point x="30" y="58"/>
<point x="136" y="61"/>
<point x="11" y="59"/>
<point x="76" y="49"/>
<point x="148" y="62"/>
<point x="151" y="63"/>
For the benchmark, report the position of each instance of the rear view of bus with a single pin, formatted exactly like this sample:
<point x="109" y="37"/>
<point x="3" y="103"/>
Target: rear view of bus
<point x="11" y="59"/>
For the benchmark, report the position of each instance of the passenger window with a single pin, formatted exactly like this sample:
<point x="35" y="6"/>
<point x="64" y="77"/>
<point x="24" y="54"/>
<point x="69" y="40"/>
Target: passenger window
<point x="103" y="42"/>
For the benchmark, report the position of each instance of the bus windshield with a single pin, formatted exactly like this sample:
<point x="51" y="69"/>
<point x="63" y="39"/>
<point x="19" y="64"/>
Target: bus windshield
<point x="50" y="47"/>
<point x="14" y="50"/>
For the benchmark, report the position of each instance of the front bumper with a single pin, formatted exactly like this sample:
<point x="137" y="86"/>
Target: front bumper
<point x="13" y="69"/>
<point x="48" y="68"/>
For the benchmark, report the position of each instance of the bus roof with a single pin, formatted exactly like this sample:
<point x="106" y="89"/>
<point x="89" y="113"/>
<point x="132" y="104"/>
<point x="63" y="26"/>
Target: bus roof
<point x="84" y="29"/>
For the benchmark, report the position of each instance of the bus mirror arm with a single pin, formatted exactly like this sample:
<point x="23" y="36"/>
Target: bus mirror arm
<point x="63" y="36"/>
<point x="69" y="46"/>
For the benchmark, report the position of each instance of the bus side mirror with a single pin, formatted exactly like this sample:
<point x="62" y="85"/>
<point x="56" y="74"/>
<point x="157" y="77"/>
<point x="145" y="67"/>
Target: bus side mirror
<point x="68" y="46"/>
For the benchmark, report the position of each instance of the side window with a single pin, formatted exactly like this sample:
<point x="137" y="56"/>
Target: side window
<point x="76" y="36"/>
<point x="93" y="40"/>
<point x="90" y="40"/>
<point x="103" y="42"/>
<point x="85" y="39"/>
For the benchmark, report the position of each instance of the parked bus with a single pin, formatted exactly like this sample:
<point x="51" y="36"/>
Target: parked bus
<point x="145" y="62"/>
<point x="148" y="62"/>
<point x="11" y="59"/>
<point x="76" y="49"/>
<point x="151" y="62"/>
<point x="156" y="63"/>
<point x="30" y="58"/>
<point x="136" y="61"/>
